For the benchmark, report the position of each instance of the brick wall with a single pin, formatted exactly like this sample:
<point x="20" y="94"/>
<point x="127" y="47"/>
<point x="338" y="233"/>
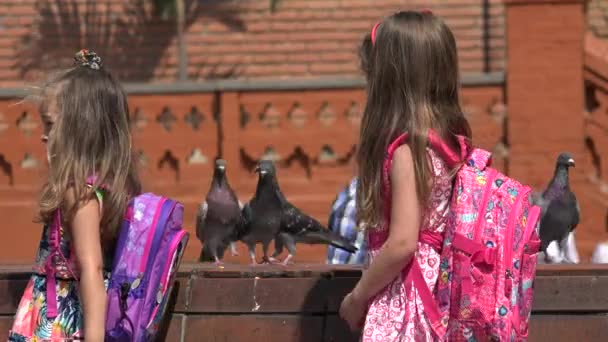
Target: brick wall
<point x="311" y="131"/>
<point x="142" y="47"/>
<point x="226" y="39"/>
<point x="551" y="98"/>
<point x="234" y="39"/>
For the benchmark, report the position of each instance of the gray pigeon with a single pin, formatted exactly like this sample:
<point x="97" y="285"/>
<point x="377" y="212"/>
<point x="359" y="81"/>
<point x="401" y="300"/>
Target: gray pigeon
<point x="299" y="227"/>
<point x="270" y="216"/>
<point x="559" y="209"/>
<point x="262" y="214"/>
<point x="219" y="217"/>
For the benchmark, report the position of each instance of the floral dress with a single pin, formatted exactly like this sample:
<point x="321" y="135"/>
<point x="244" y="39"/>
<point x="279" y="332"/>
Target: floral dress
<point x="396" y="314"/>
<point x="31" y="321"/>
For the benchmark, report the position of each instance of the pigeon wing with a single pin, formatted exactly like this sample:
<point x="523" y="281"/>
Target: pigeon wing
<point x="555" y="224"/>
<point x="308" y="230"/>
<point x="576" y="212"/>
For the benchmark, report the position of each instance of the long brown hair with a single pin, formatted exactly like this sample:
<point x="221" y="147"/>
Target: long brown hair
<point x="412" y="86"/>
<point x="90" y="137"/>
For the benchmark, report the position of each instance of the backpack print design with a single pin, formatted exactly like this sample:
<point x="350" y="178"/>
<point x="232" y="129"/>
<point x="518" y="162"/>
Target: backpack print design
<point x="487" y="267"/>
<point x="148" y="253"/>
<point x="488" y="261"/>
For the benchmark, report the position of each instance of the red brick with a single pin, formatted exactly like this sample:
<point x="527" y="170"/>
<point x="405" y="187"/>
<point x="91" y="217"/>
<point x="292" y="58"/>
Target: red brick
<point x="328" y="68"/>
<point x="276" y="69"/>
<point x="317" y="27"/>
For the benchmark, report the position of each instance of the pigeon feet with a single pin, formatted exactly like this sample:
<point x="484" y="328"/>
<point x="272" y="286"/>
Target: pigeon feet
<point x="253" y="261"/>
<point x="274" y="260"/>
<point x="233" y="250"/>
<point x="268" y="261"/>
<point x="287" y="260"/>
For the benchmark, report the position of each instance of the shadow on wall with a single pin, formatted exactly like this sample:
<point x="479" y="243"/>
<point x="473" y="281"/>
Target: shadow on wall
<point x="329" y="293"/>
<point x="15" y="286"/>
<point x="130" y="36"/>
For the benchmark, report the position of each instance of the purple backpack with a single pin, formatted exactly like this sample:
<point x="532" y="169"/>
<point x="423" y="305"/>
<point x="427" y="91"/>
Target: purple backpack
<point x="148" y="252"/>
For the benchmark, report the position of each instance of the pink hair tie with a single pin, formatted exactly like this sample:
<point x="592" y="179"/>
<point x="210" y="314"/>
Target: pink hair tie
<point x="426" y="11"/>
<point x="373" y="34"/>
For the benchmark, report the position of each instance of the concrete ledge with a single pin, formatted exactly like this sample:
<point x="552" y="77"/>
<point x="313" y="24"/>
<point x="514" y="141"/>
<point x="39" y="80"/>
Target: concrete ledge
<point x="300" y="302"/>
<point x="468" y="80"/>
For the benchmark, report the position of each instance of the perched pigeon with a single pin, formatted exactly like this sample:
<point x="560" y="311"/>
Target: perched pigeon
<point x="559" y="215"/>
<point x="262" y="214"/>
<point x="219" y="217"/>
<point x="299" y="227"/>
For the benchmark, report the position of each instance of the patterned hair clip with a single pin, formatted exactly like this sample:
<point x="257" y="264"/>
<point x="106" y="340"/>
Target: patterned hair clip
<point x="87" y="59"/>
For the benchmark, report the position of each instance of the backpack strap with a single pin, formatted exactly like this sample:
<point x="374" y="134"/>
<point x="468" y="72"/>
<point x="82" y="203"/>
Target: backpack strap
<point x="412" y="273"/>
<point x="438" y="145"/>
<point x="55" y="252"/>
<point x="413" y="277"/>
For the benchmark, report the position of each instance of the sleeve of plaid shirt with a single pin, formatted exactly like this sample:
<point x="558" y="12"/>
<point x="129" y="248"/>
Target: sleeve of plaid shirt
<point x="344" y="222"/>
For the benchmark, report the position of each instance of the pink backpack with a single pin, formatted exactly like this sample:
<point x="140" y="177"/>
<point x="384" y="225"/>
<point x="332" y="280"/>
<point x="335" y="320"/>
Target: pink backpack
<point x="488" y="260"/>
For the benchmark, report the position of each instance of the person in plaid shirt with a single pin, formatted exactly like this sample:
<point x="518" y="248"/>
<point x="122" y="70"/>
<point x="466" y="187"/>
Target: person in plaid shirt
<point x="343" y="217"/>
<point x="343" y="221"/>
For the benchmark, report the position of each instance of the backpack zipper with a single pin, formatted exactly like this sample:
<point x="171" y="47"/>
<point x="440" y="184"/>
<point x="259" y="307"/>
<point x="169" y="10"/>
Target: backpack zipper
<point x="156" y="240"/>
<point x="151" y="233"/>
<point x="146" y="258"/>
<point x="509" y="241"/>
<point x="484" y="203"/>
<point x="165" y="275"/>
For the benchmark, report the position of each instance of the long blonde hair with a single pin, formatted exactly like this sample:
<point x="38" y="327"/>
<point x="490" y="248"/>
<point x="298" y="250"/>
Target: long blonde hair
<point x="412" y="86"/>
<point x="91" y="137"/>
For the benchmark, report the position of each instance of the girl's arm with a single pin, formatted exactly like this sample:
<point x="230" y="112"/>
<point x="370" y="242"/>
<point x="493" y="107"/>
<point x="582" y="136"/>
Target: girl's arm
<point x="87" y="247"/>
<point x="403" y="230"/>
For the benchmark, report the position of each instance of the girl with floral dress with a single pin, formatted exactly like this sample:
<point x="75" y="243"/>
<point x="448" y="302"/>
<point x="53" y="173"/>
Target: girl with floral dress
<point x="404" y="188"/>
<point x="91" y="178"/>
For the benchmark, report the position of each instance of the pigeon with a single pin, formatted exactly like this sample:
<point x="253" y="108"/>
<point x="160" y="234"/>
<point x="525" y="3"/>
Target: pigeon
<point x="560" y="214"/>
<point x="262" y="214"/>
<point x="270" y="216"/>
<point x="219" y="217"/>
<point x="299" y="227"/>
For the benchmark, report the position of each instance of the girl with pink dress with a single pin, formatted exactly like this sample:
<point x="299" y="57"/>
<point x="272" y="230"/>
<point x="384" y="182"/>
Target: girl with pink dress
<point x="404" y="190"/>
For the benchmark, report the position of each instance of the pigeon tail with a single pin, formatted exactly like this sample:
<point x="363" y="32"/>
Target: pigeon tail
<point x="329" y="237"/>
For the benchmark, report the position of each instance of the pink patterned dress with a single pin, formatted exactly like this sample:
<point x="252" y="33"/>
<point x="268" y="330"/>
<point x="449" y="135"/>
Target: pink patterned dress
<point x="396" y="314"/>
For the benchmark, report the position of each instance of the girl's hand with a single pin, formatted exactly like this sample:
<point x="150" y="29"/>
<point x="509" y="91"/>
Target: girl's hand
<point x="353" y="311"/>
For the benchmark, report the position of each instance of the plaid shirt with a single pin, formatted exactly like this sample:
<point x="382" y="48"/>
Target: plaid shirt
<point x="343" y="220"/>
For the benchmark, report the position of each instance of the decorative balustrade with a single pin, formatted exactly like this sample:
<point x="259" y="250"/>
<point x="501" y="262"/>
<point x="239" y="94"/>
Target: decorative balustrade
<point x="310" y="131"/>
